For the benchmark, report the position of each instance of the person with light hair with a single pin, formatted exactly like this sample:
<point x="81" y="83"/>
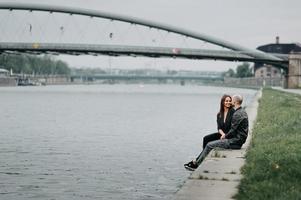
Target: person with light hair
<point x="233" y="139"/>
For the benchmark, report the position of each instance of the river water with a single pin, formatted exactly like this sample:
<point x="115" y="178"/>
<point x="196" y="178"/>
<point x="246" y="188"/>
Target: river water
<point x="102" y="141"/>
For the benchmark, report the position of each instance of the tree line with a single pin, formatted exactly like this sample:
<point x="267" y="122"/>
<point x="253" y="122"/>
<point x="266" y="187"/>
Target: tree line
<point x="31" y="64"/>
<point x="243" y="70"/>
<point x="47" y="65"/>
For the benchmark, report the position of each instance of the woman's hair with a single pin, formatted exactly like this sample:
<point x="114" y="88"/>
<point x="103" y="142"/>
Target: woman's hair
<point x="221" y="109"/>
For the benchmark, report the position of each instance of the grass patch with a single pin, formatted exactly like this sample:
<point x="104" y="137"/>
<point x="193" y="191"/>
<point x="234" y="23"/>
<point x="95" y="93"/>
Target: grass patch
<point x="217" y="154"/>
<point x="232" y="172"/>
<point x="203" y="177"/>
<point x="273" y="161"/>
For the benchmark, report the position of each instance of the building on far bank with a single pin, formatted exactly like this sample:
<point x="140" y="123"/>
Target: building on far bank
<point x="4" y="72"/>
<point x="269" y="71"/>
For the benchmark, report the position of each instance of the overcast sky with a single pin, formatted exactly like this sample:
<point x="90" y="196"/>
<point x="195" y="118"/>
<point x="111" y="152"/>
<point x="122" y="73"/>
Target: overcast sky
<point x="248" y="23"/>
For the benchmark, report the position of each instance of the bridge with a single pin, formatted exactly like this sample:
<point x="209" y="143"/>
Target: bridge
<point x="116" y="50"/>
<point x="109" y="47"/>
<point x="133" y="77"/>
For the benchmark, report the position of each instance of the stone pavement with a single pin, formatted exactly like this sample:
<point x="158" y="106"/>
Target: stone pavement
<point x="295" y="91"/>
<point x="218" y="176"/>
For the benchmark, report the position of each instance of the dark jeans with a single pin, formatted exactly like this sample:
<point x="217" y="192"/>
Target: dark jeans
<point x="210" y="137"/>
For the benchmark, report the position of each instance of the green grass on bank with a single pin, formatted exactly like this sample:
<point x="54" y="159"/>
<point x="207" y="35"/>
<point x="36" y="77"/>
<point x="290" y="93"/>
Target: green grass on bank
<point x="273" y="163"/>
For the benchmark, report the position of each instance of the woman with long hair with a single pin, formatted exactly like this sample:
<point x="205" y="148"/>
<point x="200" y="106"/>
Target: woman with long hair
<point x="223" y="119"/>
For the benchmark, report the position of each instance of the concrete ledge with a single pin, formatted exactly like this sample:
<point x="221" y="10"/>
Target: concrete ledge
<point x="194" y="190"/>
<point x="219" y="174"/>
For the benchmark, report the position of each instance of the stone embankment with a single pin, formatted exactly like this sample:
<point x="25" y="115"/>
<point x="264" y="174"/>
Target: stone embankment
<point x="7" y="81"/>
<point x="219" y="175"/>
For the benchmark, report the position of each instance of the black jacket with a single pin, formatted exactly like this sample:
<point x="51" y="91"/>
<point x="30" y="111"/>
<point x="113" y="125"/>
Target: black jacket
<point x="225" y="126"/>
<point x="239" y="128"/>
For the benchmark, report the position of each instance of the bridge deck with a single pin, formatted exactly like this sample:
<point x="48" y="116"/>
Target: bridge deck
<point x="117" y="50"/>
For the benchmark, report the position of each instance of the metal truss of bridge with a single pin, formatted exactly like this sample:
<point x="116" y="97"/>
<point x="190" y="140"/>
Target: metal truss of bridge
<point x="234" y="52"/>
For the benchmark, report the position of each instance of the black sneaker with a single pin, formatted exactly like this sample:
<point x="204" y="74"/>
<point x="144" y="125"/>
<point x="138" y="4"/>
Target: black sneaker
<point x="191" y="166"/>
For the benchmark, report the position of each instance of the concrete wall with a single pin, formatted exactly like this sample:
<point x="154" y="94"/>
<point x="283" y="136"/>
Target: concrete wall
<point x="8" y="81"/>
<point x="51" y="79"/>
<point x="294" y="71"/>
<point x="57" y="80"/>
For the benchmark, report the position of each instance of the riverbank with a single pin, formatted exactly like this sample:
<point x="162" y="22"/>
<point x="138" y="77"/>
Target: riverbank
<point x="219" y="175"/>
<point x="272" y="169"/>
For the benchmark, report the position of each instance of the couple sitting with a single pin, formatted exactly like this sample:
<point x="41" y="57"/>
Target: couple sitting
<point x="232" y="125"/>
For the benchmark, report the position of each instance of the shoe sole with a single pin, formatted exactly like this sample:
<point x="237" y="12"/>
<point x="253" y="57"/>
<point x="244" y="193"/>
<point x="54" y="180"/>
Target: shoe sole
<point x="189" y="168"/>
